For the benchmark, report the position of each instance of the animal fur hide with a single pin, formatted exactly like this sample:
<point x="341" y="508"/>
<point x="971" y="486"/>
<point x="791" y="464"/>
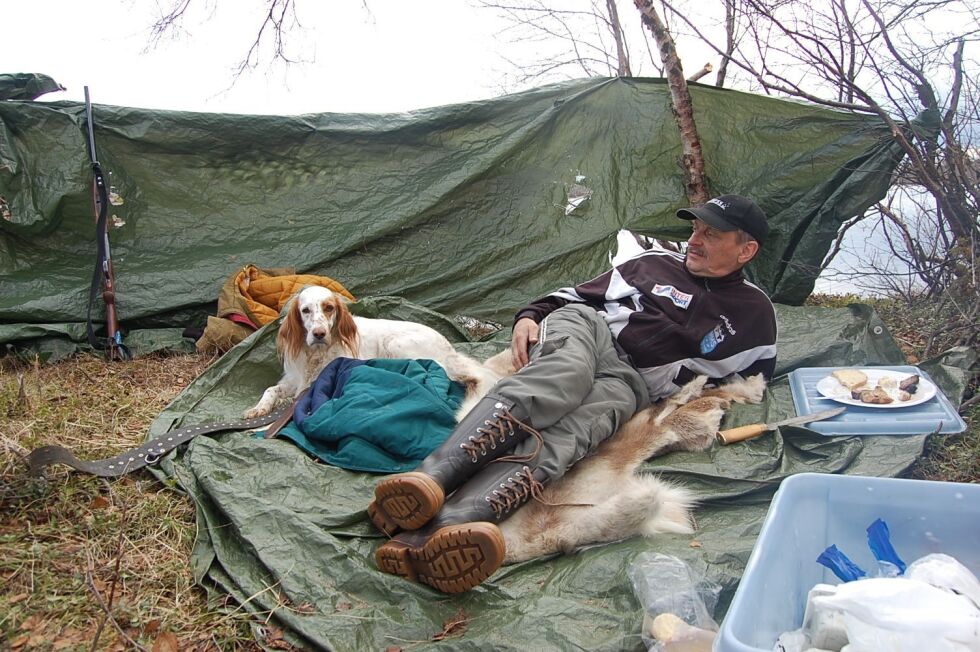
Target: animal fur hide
<point x="603" y="498"/>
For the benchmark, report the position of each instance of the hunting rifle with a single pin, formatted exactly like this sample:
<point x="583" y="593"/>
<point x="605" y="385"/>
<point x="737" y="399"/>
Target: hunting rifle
<point x="103" y="276"/>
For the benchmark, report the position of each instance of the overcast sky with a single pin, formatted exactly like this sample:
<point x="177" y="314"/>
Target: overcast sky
<point x="354" y="56"/>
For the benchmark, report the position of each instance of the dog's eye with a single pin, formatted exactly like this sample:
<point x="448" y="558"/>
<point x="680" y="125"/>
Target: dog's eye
<point x="328" y="308"/>
<point x="305" y="310"/>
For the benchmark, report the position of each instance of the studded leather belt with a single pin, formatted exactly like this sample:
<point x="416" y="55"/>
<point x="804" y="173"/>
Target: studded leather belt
<point x="150" y="451"/>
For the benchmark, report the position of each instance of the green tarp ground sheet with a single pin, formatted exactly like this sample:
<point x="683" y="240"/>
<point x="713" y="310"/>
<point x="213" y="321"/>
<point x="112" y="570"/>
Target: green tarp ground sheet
<point x="278" y="530"/>
<point x="461" y="209"/>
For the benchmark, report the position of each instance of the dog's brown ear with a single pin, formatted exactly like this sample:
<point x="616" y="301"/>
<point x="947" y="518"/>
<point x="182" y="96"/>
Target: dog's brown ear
<point x="291" y="337"/>
<point x="345" y="327"/>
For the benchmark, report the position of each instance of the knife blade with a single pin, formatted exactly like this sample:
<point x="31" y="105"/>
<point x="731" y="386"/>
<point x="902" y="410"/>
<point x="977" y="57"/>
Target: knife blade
<point x="742" y="433"/>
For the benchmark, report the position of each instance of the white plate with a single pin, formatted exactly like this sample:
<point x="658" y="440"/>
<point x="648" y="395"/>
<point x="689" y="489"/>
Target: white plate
<point x="829" y="387"/>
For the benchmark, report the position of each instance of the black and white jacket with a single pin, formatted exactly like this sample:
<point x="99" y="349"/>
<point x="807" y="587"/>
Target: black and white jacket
<point x="672" y="325"/>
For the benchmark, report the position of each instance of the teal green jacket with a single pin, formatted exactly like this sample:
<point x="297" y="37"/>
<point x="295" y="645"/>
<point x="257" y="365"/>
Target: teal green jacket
<point x="388" y="416"/>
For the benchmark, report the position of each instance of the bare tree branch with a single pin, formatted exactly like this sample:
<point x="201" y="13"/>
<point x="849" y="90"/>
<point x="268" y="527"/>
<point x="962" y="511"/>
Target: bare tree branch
<point x="729" y="42"/>
<point x="622" y="57"/>
<point x="701" y="73"/>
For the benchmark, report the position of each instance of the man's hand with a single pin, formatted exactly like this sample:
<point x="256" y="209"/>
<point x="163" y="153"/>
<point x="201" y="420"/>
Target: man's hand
<point x="525" y="334"/>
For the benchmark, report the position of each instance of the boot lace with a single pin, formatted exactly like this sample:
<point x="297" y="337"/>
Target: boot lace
<point x="514" y="492"/>
<point x="517" y="490"/>
<point x="502" y="427"/>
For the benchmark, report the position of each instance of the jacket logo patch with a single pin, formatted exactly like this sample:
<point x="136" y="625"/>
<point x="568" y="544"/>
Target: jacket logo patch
<point x="713" y="338"/>
<point x="728" y="324"/>
<point x="680" y="299"/>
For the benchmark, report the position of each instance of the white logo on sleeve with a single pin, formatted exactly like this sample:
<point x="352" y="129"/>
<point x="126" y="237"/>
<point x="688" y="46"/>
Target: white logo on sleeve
<point x="728" y="324"/>
<point x="680" y="299"/>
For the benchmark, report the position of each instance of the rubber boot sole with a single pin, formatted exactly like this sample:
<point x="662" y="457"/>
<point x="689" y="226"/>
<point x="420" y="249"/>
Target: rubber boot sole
<point x="407" y="501"/>
<point x="453" y="560"/>
<point x="381" y="521"/>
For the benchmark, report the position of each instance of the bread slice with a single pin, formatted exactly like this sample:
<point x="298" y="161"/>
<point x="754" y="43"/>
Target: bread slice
<point x="850" y="378"/>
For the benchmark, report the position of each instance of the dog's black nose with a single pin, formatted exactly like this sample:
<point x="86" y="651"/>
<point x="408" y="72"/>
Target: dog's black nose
<point x="319" y="333"/>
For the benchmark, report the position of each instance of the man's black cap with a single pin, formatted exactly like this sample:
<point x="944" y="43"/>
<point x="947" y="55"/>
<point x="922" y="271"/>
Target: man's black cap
<point x="730" y="212"/>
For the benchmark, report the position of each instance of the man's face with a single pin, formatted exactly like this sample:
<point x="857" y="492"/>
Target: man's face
<point x="714" y="253"/>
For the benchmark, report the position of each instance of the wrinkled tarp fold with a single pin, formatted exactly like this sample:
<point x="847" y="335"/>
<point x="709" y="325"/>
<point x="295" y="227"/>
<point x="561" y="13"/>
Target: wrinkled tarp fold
<point x="26" y="86"/>
<point x="277" y="529"/>
<point x="461" y="208"/>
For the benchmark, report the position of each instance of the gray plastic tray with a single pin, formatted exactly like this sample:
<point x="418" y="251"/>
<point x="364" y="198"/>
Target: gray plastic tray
<point x="935" y="414"/>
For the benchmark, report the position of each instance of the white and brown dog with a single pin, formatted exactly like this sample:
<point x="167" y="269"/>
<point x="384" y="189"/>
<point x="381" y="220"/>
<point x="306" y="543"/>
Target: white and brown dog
<point x="319" y="328"/>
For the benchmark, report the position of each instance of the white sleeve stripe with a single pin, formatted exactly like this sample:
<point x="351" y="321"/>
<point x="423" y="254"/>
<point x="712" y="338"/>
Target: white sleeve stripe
<point x="731" y="364"/>
<point x="568" y="293"/>
<point x="660" y="379"/>
<point x="659" y="252"/>
<point x="618" y="288"/>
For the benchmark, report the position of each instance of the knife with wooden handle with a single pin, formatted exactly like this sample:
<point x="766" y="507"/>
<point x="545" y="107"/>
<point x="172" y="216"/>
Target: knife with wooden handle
<point x="742" y="433"/>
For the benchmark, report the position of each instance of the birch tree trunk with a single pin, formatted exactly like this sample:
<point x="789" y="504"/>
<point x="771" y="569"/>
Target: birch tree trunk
<point x="680" y="100"/>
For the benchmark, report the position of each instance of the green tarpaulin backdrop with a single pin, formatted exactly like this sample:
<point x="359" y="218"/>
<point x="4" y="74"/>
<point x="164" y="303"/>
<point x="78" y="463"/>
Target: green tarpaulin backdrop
<point x="461" y="209"/>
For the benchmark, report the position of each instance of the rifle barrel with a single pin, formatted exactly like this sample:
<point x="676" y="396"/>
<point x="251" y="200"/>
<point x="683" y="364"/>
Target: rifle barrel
<point x="91" y="129"/>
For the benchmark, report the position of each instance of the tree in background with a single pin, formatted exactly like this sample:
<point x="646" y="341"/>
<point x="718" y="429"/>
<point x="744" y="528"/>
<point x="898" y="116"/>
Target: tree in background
<point x="906" y="62"/>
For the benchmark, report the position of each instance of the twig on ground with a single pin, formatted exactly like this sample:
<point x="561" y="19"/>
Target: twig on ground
<point x="105" y="608"/>
<point x="107" y="605"/>
<point x="970" y="402"/>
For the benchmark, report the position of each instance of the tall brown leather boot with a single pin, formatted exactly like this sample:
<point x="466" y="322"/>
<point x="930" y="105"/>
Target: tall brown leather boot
<point x="409" y="500"/>
<point x="462" y="546"/>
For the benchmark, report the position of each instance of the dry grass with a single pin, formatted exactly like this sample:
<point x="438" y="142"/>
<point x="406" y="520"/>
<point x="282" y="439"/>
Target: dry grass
<point x="70" y="543"/>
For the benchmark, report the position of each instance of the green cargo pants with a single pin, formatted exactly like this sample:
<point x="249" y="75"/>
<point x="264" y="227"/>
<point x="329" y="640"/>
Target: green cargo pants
<point x="575" y="391"/>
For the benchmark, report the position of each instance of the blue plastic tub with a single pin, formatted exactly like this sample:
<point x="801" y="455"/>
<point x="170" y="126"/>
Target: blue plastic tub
<point x="811" y="511"/>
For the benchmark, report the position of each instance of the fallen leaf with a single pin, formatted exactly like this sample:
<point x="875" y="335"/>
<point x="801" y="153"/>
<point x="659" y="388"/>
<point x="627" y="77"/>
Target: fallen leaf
<point x="100" y="502"/>
<point x="152" y="627"/>
<point x="30" y="623"/>
<point x="393" y="648"/>
<point x="275" y="640"/>
<point x="20" y="641"/>
<point x="20" y="597"/>
<point x="166" y="642"/>
<point x="694" y="544"/>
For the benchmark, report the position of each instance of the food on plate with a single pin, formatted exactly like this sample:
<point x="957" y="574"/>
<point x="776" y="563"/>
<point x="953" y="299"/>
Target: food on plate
<point x="872" y="386"/>
<point x="910" y="384"/>
<point x="876" y="396"/>
<point x="850" y="378"/>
